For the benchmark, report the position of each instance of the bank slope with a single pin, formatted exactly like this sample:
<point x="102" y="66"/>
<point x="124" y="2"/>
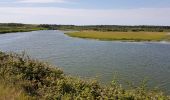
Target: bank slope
<point x="39" y="80"/>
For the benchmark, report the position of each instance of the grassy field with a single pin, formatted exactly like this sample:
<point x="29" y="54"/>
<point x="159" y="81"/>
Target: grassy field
<point x="123" y="36"/>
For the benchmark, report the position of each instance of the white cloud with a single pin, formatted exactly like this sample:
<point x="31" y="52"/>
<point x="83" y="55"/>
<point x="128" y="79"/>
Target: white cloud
<point x="156" y="16"/>
<point x="43" y="1"/>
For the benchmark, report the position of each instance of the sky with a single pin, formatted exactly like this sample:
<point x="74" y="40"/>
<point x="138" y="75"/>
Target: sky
<point x="86" y="12"/>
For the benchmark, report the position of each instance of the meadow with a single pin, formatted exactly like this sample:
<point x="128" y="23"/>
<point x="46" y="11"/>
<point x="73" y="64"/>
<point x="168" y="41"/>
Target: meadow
<point x="122" y="36"/>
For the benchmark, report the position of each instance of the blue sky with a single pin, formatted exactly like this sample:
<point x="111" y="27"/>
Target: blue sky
<point x="86" y="12"/>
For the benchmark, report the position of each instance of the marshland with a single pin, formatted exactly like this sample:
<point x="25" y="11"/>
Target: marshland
<point x="59" y="66"/>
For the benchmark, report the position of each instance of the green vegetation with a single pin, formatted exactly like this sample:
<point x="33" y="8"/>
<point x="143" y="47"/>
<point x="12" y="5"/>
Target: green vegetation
<point x="23" y="78"/>
<point x="16" y="27"/>
<point x="123" y="36"/>
<point x="116" y="32"/>
<point x="109" y="28"/>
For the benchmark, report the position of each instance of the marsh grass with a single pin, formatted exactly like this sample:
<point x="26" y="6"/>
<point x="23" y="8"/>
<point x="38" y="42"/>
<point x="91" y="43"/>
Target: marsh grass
<point x="29" y="78"/>
<point x="4" y="28"/>
<point x="123" y="36"/>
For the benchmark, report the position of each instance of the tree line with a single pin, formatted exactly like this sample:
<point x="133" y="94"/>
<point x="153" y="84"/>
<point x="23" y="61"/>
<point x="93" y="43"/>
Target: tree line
<point x="112" y="28"/>
<point x="121" y="28"/>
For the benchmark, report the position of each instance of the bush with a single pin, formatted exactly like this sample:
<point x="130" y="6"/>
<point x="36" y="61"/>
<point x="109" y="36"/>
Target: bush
<point x="40" y="80"/>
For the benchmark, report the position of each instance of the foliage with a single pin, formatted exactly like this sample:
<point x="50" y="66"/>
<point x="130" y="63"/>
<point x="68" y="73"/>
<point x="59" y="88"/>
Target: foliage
<point x="17" y="27"/>
<point x="40" y="80"/>
<point x="109" y="28"/>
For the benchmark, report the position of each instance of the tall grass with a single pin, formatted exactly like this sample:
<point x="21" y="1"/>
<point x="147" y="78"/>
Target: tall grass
<point x="123" y="36"/>
<point x="9" y="92"/>
<point x="33" y="79"/>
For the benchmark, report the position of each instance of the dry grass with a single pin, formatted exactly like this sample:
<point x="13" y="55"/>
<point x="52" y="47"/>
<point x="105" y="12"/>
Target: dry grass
<point x="124" y="36"/>
<point x="11" y="93"/>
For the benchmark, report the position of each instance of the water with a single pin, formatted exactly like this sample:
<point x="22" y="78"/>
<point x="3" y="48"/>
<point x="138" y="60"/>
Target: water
<point x="91" y="58"/>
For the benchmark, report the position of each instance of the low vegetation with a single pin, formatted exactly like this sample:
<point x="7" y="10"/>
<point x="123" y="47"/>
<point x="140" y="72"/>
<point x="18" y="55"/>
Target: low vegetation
<point x="23" y="78"/>
<point x="109" y="28"/>
<point x="16" y="27"/>
<point x="8" y="92"/>
<point x="123" y="36"/>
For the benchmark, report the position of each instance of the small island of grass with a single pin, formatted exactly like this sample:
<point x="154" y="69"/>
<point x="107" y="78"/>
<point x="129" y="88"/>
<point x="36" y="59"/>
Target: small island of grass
<point x="122" y="36"/>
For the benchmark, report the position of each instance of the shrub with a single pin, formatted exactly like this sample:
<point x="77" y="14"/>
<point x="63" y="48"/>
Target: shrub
<point x="39" y="80"/>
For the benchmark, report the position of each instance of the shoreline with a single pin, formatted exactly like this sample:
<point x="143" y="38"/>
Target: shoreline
<point x="6" y="32"/>
<point x="43" y="79"/>
<point x="104" y="40"/>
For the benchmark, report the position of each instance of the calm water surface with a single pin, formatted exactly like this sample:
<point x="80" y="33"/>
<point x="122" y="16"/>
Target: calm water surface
<point x="91" y="58"/>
